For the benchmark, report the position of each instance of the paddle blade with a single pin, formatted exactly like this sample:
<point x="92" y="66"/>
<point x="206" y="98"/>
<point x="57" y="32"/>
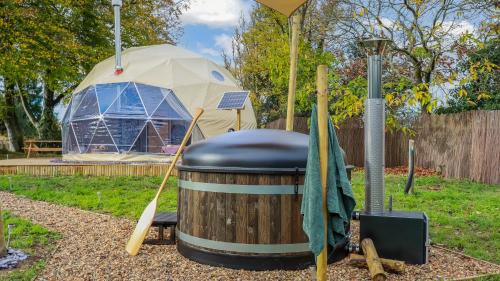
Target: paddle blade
<point x="142" y="228"/>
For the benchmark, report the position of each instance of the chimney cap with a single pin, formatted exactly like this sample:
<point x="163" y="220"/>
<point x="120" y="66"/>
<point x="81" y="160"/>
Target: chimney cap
<point x="375" y="45"/>
<point x="116" y="3"/>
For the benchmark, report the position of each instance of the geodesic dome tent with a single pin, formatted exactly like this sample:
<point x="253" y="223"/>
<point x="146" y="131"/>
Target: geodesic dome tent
<point x="143" y="113"/>
<point x="124" y="118"/>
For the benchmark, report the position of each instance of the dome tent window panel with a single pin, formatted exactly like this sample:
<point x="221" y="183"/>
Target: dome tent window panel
<point x="165" y="110"/>
<point x="107" y="94"/>
<point x="154" y="142"/>
<point x="124" y="131"/>
<point x="176" y="105"/>
<point x="148" y="140"/>
<point x="77" y="100"/>
<point x="141" y="142"/>
<point x="163" y="127"/>
<point x="171" y="131"/>
<point x="70" y="145"/>
<point x="151" y="97"/>
<point x="217" y="75"/>
<point x="128" y="104"/>
<point x="67" y="115"/>
<point x="88" y="106"/>
<point x="102" y="141"/>
<point x="84" y="131"/>
<point x="178" y="131"/>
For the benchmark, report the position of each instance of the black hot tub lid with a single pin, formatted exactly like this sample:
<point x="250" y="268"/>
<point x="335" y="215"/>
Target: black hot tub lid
<point x="249" y="151"/>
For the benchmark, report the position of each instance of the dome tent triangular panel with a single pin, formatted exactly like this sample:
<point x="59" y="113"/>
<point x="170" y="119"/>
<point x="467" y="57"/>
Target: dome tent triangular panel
<point x="150" y="96"/>
<point x="107" y="94"/>
<point x="128" y="103"/>
<point x="148" y="71"/>
<point x="77" y="100"/>
<point x="164" y="109"/>
<point x="148" y="140"/>
<point x="69" y="143"/>
<point x="101" y="141"/>
<point x="84" y="131"/>
<point x="124" y="131"/>
<point x="88" y="106"/>
<point x="67" y="115"/>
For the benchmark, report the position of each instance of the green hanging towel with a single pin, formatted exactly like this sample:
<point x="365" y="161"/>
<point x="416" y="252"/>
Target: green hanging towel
<point x="340" y="199"/>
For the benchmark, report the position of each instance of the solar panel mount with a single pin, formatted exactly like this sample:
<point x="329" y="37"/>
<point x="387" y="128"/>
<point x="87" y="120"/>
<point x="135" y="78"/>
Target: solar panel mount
<point x="233" y="100"/>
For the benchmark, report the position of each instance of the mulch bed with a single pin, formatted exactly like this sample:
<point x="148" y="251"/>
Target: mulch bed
<point x="93" y="248"/>
<point x="403" y="170"/>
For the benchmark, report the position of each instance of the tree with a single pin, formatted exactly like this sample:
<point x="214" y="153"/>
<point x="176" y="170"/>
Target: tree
<point x="261" y="57"/>
<point x="479" y="87"/>
<point x="423" y="34"/>
<point x="48" y="46"/>
<point x="9" y="116"/>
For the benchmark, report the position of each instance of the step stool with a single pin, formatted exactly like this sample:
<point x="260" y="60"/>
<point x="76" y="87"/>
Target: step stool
<point x="164" y="220"/>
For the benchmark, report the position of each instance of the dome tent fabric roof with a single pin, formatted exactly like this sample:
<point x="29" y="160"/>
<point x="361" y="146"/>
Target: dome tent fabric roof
<point x="196" y="81"/>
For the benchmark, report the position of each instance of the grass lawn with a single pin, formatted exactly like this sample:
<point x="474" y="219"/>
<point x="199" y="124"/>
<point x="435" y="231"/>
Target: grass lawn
<point x="119" y="196"/>
<point x="32" y="239"/>
<point x="463" y="214"/>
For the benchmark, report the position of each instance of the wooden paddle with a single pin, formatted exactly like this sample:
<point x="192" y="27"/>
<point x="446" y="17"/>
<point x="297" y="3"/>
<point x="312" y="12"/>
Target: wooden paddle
<point x="142" y="227"/>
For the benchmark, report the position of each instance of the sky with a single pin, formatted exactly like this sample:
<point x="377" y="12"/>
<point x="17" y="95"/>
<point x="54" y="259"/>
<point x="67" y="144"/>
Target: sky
<point x="209" y="26"/>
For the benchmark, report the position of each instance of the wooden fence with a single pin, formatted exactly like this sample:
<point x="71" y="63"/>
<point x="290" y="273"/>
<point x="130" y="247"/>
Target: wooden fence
<point x="462" y="145"/>
<point x="87" y="170"/>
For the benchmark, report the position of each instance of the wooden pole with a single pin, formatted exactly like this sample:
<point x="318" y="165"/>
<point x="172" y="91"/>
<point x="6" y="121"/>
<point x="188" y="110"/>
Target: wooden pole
<point x="411" y="163"/>
<point x="238" y="119"/>
<point x="3" y="249"/>
<point x="389" y="265"/>
<point x="375" y="267"/>
<point x="146" y="219"/>
<point x="292" y="82"/>
<point x="322" y="86"/>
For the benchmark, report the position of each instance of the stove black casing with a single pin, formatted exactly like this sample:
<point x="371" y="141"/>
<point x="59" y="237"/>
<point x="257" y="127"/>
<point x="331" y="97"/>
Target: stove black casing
<point x="398" y="235"/>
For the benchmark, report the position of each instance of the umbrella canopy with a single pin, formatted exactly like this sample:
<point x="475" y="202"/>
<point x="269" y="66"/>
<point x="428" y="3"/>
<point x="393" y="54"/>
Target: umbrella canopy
<point x="286" y="7"/>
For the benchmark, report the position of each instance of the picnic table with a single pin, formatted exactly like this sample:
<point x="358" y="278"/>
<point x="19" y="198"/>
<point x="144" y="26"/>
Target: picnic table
<point x="35" y="146"/>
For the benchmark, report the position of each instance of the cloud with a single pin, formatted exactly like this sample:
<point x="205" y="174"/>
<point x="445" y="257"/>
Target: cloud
<point x="225" y="42"/>
<point x="209" y="51"/>
<point x="387" y="22"/>
<point x="458" y="28"/>
<point x="216" y="13"/>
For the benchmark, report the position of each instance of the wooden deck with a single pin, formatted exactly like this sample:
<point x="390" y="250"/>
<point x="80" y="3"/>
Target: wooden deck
<point x="54" y="167"/>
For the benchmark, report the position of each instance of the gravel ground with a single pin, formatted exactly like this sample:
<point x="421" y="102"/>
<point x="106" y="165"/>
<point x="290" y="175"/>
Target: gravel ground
<point x="92" y="248"/>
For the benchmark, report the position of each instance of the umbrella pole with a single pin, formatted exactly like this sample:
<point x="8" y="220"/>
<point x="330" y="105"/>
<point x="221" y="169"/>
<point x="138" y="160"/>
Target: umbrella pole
<point x="238" y="119"/>
<point x="292" y="82"/>
<point x="322" y="86"/>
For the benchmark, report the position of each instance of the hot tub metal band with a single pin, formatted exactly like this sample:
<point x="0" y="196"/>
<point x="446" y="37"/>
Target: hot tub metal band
<point x="241" y="188"/>
<point x="243" y="248"/>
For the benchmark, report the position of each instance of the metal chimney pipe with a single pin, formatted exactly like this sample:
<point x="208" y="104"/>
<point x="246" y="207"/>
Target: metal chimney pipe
<point x="374" y="120"/>
<point x="118" y="40"/>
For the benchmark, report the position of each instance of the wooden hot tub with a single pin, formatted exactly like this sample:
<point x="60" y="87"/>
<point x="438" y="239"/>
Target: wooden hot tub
<point x="239" y="201"/>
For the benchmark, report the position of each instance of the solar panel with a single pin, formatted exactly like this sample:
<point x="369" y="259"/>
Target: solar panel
<point x="233" y="100"/>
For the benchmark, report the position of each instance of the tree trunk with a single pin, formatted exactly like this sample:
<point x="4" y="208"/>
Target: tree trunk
<point x="49" y="126"/>
<point x="14" y="132"/>
<point x="3" y="248"/>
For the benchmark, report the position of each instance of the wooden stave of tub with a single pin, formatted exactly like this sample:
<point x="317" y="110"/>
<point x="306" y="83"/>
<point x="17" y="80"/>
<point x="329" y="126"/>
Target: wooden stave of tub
<point x="255" y="243"/>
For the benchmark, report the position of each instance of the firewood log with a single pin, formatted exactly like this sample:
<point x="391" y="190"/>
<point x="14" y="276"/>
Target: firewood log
<point x="394" y="266"/>
<point x="375" y="267"/>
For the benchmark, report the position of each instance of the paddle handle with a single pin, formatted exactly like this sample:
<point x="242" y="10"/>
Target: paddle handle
<point x="197" y="115"/>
